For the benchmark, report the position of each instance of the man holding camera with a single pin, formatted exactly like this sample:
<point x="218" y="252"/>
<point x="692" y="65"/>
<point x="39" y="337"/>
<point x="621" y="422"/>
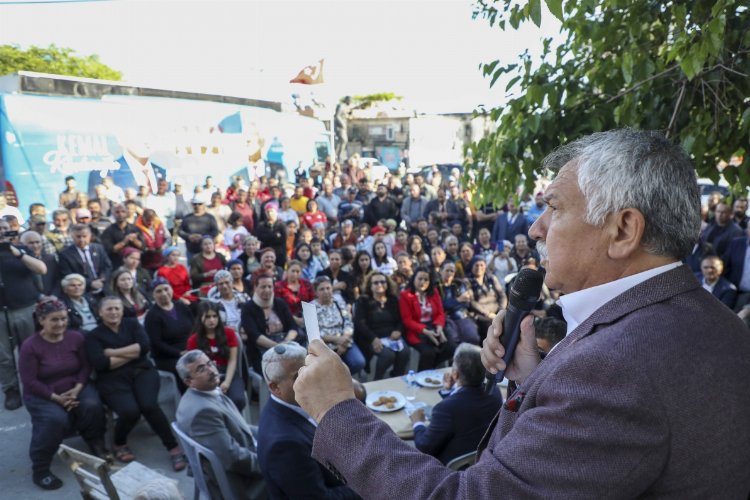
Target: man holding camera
<point x="18" y="296"/>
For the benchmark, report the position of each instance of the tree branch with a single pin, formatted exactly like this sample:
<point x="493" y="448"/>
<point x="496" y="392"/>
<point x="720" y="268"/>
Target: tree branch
<point x="641" y="83"/>
<point x="677" y="107"/>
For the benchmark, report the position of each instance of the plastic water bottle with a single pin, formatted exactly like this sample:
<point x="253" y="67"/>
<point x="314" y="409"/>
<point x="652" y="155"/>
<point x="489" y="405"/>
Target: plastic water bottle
<point x="411" y="386"/>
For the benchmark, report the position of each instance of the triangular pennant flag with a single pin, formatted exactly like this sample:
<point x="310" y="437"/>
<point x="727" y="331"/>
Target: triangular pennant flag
<point x="310" y="75"/>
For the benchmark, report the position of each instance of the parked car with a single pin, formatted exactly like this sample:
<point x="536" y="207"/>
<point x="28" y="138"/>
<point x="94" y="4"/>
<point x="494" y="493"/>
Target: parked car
<point x="375" y="168"/>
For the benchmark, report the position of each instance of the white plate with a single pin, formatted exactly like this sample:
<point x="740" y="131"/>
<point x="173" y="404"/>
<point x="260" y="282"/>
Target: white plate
<point x="423" y="376"/>
<point x="372" y="398"/>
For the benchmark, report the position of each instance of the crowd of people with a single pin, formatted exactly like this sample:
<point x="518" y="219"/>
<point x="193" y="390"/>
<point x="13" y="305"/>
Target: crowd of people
<point x="400" y="267"/>
<point x="134" y="279"/>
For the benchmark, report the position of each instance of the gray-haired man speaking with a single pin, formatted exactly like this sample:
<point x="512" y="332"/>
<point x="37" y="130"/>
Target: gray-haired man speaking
<point x="618" y="409"/>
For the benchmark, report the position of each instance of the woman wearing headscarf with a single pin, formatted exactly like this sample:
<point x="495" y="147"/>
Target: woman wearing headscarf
<point x="177" y="275"/>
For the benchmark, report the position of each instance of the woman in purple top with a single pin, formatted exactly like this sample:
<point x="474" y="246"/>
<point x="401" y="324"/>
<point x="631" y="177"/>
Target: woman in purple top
<point x="55" y="372"/>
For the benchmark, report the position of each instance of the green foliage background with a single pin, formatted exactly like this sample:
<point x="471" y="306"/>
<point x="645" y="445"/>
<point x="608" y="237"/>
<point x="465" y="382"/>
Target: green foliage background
<point x="55" y="60"/>
<point x="680" y="66"/>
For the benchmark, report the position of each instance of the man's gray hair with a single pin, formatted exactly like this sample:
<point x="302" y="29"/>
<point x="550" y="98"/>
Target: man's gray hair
<point x="222" y="274"/>
<point x="467" y="360"/>
<point x="188" y="358"/>
<point x="159" y="489"/>
<point x="272" y="363"/>
<point x="638" y="169"/>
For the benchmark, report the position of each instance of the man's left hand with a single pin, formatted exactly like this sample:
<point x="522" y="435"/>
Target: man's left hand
<point x="417" y="415"/>
<point x="323" y="382"/>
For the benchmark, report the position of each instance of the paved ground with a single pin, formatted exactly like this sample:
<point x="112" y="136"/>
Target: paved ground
<point x="15" y="466"/>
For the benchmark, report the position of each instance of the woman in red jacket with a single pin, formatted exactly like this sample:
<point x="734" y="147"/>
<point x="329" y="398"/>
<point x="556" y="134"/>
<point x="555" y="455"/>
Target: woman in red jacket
<point x="424" y="320"/>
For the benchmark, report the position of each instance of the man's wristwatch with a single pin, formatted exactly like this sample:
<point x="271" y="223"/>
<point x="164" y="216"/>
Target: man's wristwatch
<point x="22" y="252"/>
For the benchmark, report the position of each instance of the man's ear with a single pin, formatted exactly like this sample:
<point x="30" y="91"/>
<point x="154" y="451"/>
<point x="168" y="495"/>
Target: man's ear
<point x="274" y="388"/>
<point x="625" y="229"/>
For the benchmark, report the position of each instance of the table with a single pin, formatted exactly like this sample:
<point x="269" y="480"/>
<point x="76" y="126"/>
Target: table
<point x="399" y="421"/>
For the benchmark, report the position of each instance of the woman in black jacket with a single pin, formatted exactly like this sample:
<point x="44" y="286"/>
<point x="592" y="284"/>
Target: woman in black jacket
<point x="127" y="380"/>
<point x="266" y="321"/>
<point x="377" y="325"/>
<point x="82" y="312"/>
<point x="168" y="324"/>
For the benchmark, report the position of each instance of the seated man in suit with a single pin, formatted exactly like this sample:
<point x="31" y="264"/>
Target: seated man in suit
<point x="286" y="434"/>
<point x="460" y="420"/>
<point x="87" y="259"/>
<point x="208" y="416"/>
<point x="711" y="279"/>
<point x="735" y="269"/>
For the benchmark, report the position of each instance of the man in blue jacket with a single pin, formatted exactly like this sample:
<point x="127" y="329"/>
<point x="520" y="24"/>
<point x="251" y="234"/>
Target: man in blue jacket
<point x="286" y="435"/>
<point x="714" y="282"/>
<point x="460" y="420"/>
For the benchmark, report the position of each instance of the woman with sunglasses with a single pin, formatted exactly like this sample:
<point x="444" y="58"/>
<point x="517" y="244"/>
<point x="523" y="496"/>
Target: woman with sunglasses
<point x="378" y="328"/>
<point x="336" y="327"/>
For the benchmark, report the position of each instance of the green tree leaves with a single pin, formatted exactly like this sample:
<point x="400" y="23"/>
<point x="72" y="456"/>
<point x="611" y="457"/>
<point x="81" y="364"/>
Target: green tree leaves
<point x="55" y="60"/>
<point x="681" y="67"/>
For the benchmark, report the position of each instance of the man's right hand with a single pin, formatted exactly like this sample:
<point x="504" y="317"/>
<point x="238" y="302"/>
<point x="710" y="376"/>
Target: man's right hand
<point x="323" y="382"/>
<point x="525" y="359"/>
<point x="97" y="284"/>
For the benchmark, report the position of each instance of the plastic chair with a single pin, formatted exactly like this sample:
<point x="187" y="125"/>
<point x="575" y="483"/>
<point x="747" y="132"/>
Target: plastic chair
<point x="194" y="451"/>
<point x="253" y="382"/>
<point x="169" y="392"/>
<point x="463" y="462"/>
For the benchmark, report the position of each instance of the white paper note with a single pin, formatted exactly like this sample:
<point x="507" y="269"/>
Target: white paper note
<point x="310" y="315"/>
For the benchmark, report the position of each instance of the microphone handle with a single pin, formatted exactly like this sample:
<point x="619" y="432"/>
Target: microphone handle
<point x="509" y="340"/>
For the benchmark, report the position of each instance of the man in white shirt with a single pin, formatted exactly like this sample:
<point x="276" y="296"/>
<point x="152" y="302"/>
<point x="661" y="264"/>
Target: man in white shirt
<point x="613" y="410"/>
<point x="163" y="202"/>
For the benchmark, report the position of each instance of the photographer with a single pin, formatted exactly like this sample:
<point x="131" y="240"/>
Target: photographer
<point x="17" y="270"/>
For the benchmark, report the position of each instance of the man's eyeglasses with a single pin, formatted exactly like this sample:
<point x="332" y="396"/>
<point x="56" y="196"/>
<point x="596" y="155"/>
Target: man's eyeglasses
<point x="202" y="368"/>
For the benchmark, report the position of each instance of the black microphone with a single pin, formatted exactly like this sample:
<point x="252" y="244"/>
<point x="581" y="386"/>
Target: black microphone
<point x="524" y="293"/>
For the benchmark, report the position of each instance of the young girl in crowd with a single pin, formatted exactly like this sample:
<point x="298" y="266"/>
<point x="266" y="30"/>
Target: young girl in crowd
<point x="235" y="234"/>
<point x="361" y="267"/>
<point x="381" y="261"/>
<point x="221" y="345"/>
<point x="319" y="253"/>
<point x="416" y="251"/>
<point x="135" y="303"/>
<point x="310" y="265"/>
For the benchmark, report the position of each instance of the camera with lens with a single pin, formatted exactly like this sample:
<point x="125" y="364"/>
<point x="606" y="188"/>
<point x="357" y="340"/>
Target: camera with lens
<point x="9" y="234"/>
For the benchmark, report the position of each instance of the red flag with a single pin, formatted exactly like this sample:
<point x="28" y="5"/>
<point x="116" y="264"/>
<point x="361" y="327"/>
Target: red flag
<point x="310" y="75"/>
